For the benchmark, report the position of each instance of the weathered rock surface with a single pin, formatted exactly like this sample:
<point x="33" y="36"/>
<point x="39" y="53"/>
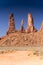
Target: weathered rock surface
<point x="30" y="27"/>
<point x="11" y="24"/>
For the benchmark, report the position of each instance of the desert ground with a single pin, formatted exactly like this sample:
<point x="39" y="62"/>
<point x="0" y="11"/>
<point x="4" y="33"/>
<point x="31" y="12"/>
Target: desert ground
<point x="30" y="56"/>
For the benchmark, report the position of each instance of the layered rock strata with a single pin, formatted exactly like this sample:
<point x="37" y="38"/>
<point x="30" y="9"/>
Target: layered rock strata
<point x="11" y="24"/>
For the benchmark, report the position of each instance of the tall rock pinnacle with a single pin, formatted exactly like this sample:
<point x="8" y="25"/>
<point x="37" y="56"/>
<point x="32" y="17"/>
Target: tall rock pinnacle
<point x="11" y="24"/>
<point x="30" y="27"/>
<point x="22" y="26"/>
<point x="41" y="26"/>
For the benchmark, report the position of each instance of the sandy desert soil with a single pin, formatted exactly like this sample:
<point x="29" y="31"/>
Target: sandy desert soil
<point x="30" y="57"/>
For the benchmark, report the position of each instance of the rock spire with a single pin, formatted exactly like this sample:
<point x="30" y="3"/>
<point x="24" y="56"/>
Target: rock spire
<point x="11" y="24"/>
<point x="30" y="27"/>
<point x="41" y="26"/>
<point x="22" y="26"/>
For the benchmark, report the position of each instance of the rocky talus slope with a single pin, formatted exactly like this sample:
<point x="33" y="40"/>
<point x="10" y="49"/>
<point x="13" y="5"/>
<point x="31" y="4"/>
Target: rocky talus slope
<point x="22" y="39"/>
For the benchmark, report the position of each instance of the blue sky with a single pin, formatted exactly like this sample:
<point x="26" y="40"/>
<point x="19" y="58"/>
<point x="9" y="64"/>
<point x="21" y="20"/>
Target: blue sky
<point x="20" y="9"/>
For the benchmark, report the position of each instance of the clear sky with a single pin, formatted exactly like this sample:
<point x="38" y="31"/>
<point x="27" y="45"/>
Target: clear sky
<point x="20" y="9"/>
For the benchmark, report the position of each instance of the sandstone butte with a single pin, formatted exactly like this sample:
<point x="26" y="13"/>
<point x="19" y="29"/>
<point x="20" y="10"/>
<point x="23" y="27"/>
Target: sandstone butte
<point x="29" y="37"/>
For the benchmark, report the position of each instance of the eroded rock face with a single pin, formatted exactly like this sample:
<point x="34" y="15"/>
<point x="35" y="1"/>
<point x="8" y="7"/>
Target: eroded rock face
<point x="30" y="27"/>
<point x="22" y="26"/>
<point x="41" y="29"/>
<point x="11" y="24"/>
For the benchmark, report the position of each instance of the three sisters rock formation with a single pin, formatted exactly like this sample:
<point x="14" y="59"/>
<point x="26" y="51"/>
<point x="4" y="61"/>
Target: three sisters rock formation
<point x="22" y="37"/>
<point x="30" y="27"/>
